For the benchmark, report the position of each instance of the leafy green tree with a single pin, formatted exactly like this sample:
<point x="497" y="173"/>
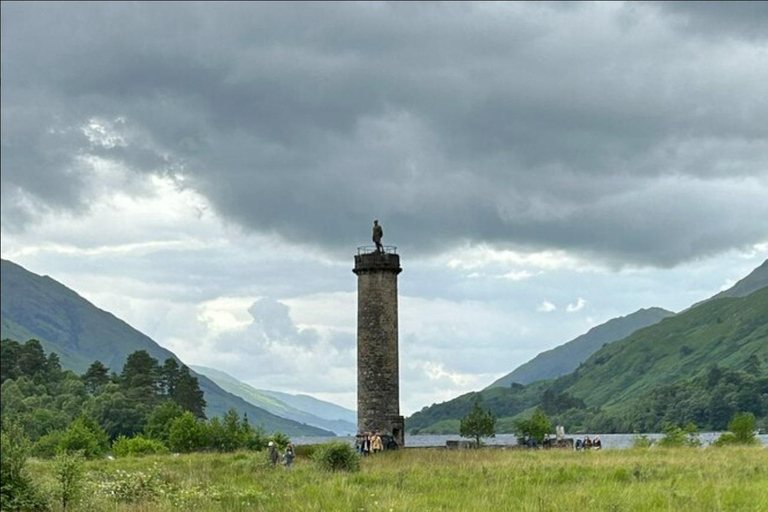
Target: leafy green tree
<point x="187" y="434"/>
<point x="118" y="413"/>
<point x="536" y="427"/>
<point x="742" y="430"/>
<point x="188" y="393"/>
<point x="70" y="472"/>
<point x="84" y="436"/>
<point x="159" y="420"/>
<point x="478" y="423"/>
<point x="95" y="377"/>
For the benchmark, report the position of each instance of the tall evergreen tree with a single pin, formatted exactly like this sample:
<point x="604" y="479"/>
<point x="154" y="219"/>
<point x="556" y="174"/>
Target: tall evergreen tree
<point x="140" y="377"/>
<point x="170" y="374"/>
<point x="32" y="359"/>
<point x="96" y="376"/>
<point x="9" y="359"/>
<point x="188" y="393"/>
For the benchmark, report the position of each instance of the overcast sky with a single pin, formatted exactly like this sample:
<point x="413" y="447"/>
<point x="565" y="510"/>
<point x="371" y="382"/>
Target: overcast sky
<point x="206" y="171"/>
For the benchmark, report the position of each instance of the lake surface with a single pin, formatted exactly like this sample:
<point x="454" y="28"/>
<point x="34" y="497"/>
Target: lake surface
<point x="608" y="440"/>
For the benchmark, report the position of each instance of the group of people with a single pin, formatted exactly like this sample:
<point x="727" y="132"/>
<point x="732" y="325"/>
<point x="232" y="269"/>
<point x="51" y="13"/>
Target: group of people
<point x="589" y="444"/>
<point x="369" y="442"/>
<point x="288" y="455"/>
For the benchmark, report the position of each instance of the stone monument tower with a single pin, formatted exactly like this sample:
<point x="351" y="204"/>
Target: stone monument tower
<point x="378" y="386"/>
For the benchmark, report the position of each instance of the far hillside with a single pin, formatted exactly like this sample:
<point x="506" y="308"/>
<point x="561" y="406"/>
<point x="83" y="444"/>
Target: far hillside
<point x="701" y="365"/>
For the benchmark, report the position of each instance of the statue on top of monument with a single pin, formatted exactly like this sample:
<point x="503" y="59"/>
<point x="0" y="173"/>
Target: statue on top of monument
<point x="378" y="233"/>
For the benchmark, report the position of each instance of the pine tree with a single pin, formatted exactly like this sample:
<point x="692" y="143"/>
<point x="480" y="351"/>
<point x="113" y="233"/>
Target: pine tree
<point x="96" y="376"/>
<point x="140" y="377"/>
<point x="478" y="423"/>
<point x="188" y="394"/>
<point x="169" y="376"/>
<point x="9" y="359"/>
<point x="32" y="359"/>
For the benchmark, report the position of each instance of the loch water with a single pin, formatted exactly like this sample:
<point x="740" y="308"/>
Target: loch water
<point x="608" y="440"/>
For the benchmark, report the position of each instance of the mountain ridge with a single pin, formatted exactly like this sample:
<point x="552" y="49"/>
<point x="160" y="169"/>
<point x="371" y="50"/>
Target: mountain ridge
<point x="70" y="325"/>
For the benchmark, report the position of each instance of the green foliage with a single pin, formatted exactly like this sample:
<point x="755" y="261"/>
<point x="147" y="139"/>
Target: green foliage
<point x="187" y="434"/>
<point x="158" y="424"/>
<point x="675" y="436"/>
<point x="17" y="490"/>
<point x="70" y="480"/>
<point x="84" y="436"/>
<point x="478" y="423"/>
<point x="188" y="395"/>
<point x="642" y="441"/>
<point x="280" y="439"/>
<point x="742" y="431"/>
<point x="536" y="427"/>
<point x="137" y="446"/>
<point x="133" y="486"/>
<point x="96" y="377"/>
<point x="48" y="445"/>
<point x="336" y="456"/>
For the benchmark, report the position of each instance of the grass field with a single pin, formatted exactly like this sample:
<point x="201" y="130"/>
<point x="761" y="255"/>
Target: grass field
<point x="684" y="479"/>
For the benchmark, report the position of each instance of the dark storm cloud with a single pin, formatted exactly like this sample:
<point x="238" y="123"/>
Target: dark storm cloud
<point x="612" y="130"/>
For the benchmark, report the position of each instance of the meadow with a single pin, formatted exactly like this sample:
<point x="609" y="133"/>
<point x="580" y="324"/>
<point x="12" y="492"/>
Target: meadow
<point x="681" y="479"/>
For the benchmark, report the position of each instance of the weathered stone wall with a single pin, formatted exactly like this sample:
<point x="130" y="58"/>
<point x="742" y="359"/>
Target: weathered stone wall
<point x="378" y="388"/>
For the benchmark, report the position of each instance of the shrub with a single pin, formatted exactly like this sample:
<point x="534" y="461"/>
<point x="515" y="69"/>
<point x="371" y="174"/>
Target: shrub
<point x="80" y="437"/>
<point x="336" y="456"/>
<point x="137" y="446"/>
<point x="642" y="441"/>
<point x="187" y="434"/>
<point x="674" y="436"/>
<point x="742" y="430"/>
<point x="306" y="451"/>
<point x="48" y="445"/>
<point x="17" y="491"/>
<point x="280" y="439"/>
<point x="69" y="478"/>
<point x="160" y="419"/>
<point x="132" y="486"/>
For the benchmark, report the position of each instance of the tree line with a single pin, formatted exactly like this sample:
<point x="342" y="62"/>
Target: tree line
<point x="147" y="408"/>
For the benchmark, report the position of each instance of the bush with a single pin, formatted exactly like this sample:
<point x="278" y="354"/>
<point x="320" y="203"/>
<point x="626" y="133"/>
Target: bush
<point x="336" y="456"/>
<point x="160" y="419"/>
<point x="305" y="451"/>
<point x="642" y="441"/>
<point x="742" y="430"/>
<point x="69" y="478"/>
<point x="133" y="486"/>
<point x="80" y="437"/>
<point x="17" y="492"/>
<point x="674" y="436"/>
<point x="48" y="445"/>
<point x="137" y="446"/>
<point x="280" y="439"/>
<point x="187" y="434"/>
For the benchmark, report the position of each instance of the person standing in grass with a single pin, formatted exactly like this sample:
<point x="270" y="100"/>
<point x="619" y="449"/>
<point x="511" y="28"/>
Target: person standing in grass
<point x="273" y="455"/>
<point x="376" y="444"/>
<point x="288" y="456"/>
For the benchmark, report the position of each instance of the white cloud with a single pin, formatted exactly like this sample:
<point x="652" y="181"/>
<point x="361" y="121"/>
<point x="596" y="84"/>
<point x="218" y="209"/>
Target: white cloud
<point x="546" y="307"/>
<point x="577" y="306"/>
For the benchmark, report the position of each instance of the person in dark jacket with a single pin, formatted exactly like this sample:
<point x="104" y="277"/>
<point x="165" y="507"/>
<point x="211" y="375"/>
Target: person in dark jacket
<point x="288" y="456"/>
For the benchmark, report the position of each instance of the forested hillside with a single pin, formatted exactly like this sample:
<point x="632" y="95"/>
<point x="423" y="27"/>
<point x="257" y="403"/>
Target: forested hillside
<point x="38" y="307"/>
<point x="701" y="365"/>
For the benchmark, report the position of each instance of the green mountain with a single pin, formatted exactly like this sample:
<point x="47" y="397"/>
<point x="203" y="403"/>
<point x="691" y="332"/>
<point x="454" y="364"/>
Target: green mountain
<point x="564" y="359"/>
<point x="39" y="307"/>
<point x="756" y="279"/>
<point x="335" y="418"/>
<point x="726" y="331"/>
<point x="700" y="365"/>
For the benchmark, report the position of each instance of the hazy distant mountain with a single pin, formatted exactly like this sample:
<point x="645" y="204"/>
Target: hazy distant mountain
<point x="567" y="357"/>
<point x="301" y="408"/>
<point x="39" y="307"/>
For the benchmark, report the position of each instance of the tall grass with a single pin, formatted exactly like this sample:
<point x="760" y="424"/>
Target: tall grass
<point x="683" y="479"/>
